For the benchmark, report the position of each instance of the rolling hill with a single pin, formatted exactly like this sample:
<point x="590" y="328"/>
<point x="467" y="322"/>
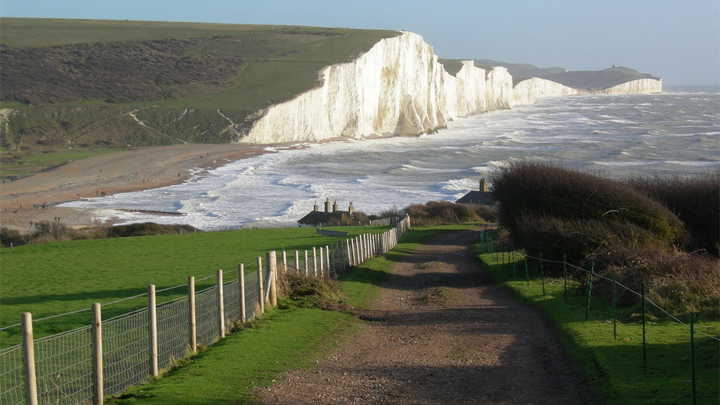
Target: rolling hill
<point x="98" y="84"/>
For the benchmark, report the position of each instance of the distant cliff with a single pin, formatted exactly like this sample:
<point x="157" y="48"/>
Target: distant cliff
<point x="640" y="86"/>
<point x="398" y="87"/>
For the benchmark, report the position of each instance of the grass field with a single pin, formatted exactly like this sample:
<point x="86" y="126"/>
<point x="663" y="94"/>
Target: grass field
<point x="615" y="366"/>
<point x="26" y="164"/>
<point x="55" y="278"/>
<point x="282" y="340"/>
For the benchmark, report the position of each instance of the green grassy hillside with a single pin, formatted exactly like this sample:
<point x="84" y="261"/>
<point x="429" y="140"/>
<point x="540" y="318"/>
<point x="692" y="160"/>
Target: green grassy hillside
<point x="88" y="84"/>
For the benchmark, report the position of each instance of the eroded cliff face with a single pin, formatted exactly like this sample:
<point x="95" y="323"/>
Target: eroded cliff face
<point x="399" y="88"/>
<point x="527" y="91"/>
<point x="396" y="88"/>
<point x="640" y="86"/>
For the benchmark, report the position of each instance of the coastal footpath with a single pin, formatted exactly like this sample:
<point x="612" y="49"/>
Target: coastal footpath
<point x="398" y="87"/>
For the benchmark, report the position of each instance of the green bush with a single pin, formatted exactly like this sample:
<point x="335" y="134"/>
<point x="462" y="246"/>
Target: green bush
<point x="148" y="228"/>
<point x="445" y="213"/>
<point x="528" y="190"/>
<point x="695" y="200"/>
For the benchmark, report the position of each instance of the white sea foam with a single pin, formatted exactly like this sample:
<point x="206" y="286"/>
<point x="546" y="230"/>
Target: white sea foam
<point x="606" y="133"/>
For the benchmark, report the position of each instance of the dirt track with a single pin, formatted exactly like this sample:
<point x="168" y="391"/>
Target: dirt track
<point x="441" y="333"/>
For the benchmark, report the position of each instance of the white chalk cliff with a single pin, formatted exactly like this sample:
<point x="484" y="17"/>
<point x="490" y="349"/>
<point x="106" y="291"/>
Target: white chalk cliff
<point x="639" y="86"/>
<point x="398" y="87"/>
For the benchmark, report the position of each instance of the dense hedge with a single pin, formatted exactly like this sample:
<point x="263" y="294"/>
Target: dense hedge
<point x="695" y="200"/>
<point x="548" y="208"/>
<point x="623" y="226"/>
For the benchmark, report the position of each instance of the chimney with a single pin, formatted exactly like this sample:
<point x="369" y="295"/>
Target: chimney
<point x="350" y="209"/>
<point x="327" y="205"/>
<point x="335" y="206"/>
<point x="483" y="185"/>
<point x="315" y="208"/>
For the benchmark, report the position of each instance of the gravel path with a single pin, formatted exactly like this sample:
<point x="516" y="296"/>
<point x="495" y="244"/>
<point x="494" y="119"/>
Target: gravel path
<point x="441" y="333"/>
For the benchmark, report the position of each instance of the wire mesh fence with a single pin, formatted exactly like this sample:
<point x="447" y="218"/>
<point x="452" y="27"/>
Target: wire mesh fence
<point x="64" y="367"/>
<point x="65" y="362"/>
<point x="125" y="351"/>
<point x="12" y="381"/>
<point x="173" y="326"/>
<point x="577" y="285"/>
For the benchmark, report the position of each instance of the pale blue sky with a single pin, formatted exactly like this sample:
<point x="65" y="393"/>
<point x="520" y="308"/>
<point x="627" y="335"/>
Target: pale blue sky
<point x="678" y="40"/>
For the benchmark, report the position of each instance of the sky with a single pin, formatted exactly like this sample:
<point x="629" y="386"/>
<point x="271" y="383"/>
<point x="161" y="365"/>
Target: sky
<point x="678" y="40"/>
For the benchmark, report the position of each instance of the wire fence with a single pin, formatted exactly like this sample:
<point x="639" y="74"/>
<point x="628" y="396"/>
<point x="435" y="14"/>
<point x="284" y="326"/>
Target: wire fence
<point x="581" y="280"/>
<point x="84" y="365"/>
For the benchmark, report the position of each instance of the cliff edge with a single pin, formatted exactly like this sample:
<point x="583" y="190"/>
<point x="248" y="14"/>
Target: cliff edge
<point x="399" y="87"/>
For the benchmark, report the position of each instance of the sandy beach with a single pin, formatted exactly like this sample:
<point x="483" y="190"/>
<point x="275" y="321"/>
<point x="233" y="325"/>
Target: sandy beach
<point x="21" y="201"/>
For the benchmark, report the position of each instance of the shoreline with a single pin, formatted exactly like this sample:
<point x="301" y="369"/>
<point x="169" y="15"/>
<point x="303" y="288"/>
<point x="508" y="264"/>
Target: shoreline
<point x="33" y="199"/>
<point x="152" y="167"/>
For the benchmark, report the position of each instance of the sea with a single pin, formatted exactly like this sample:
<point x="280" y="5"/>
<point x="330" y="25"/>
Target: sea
<point x="676" y="132"/>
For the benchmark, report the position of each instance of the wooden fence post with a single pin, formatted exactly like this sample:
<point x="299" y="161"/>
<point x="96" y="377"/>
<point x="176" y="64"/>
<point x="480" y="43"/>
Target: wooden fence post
<point x="29" y="351"/>
<point x="297" y="262"/>
<point x="241" y="288"/>
<point x="261" y="295"/>
<point x="327" y="259"/>
<point x="284" y="261"/>
<point x="348" y="245"/>
<point x="97" y="354"/>
<point x="272" y="276"/>
<point x="305" y="265"/>
<point x="191" y="314"/>
<point x="322" y="261"/>
<point x="152" y="323"/>
<point x="347" y="256"/>
<point x="220" y="304"/>
<point x="314" y="262"/>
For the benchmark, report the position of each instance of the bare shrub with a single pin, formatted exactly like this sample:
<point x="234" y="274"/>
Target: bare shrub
<point x="676" y="281"/>
<point x="442" y="213"/>
<point x="310" y="292"/>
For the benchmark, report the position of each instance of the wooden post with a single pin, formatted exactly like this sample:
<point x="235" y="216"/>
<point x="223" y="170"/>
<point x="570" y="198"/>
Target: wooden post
<point x="191" y="314"/>
<point x="356" y="256"/>
<point x="284" y="261"/>
<point x="272" y="275"/>
<point x="348" y="253"/>
<point x="29" y="349"/>
<point x="220" y="304"/>
<point x="261" y="295"/>
<point x="152" y="322"/>
<point x="322" y="261"/>
<point x="305" y="265"/>
<point x="327" y="259"/>
<point x="97" y="355"/>
<point x="361" y="244"/>
<point x="241" y="287"/>
<point x="314" y="262"/>
<point x="297" y="262"/>
<point x="363" y="252"/>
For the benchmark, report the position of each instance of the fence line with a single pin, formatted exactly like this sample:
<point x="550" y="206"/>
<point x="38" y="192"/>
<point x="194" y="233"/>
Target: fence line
<point x="104" y="359"/>
<point x="488" y="245"/>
